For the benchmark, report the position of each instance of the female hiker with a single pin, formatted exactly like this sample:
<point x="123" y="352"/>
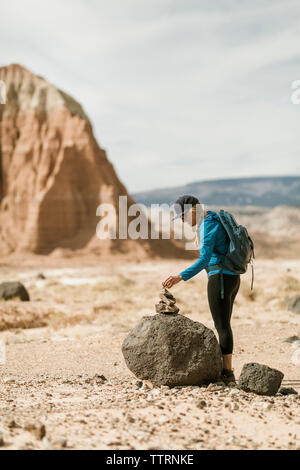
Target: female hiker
<point x="213" y="243"/>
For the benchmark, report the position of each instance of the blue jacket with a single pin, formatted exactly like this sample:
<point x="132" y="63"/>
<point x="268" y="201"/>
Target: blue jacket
<point x="212" y="235"/>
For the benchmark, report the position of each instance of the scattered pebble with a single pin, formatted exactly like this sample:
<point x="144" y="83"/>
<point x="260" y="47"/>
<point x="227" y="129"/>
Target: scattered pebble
<point x="201" y="404"/>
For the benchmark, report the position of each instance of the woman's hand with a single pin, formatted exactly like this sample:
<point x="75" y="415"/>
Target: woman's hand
<point x="171" y="281"/>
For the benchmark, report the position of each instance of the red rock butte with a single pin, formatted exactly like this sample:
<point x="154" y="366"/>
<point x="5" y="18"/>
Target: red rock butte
<point x="54" y="175"/>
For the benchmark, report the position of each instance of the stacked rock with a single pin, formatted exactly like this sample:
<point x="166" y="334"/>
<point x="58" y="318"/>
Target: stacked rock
<point x="167" y="303"/>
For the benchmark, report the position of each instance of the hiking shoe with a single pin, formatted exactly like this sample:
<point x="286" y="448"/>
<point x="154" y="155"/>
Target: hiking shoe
<point x="227" y="376"/>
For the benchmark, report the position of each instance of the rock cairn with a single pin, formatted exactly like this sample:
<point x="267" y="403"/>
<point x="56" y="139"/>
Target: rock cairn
<point x="167" y="304"/>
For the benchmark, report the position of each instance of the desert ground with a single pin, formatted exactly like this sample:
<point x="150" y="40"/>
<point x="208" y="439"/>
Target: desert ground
<point x="65" y="385"/>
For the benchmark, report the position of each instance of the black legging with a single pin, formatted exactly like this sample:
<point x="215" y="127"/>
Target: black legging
<point x="221" y="309"/>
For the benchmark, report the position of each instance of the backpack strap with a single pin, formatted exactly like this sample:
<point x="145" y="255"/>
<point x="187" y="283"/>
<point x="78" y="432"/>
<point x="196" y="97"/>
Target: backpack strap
<point x="222" y="284"/>
<point x="251" y="261"/>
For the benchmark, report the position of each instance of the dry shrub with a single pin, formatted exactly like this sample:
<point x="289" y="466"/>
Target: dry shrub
<point x="13" y="316"/>
<point x="32" y="316"/>
<point x="59" y="319"/>
<point x="289" y="284"/>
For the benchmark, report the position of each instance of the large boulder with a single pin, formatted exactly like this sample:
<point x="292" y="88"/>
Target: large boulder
<point x="172" y="350"/>
<point x="260" y="379"/>
<point x="11" y="290"/>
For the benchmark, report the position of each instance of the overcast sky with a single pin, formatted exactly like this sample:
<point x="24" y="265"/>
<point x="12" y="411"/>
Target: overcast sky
<point x="177" y="90"/>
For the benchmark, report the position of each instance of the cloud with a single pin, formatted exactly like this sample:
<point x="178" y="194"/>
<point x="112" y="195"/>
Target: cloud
<point x="176" y="90"/>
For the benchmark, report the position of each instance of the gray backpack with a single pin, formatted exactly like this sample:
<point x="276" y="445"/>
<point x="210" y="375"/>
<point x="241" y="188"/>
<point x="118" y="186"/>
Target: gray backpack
<point x="240" y="250"/>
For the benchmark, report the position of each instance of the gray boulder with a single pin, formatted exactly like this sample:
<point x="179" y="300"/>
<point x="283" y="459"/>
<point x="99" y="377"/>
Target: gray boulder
<point x="11" y="290"/>
<point x="172" y="350"/>
<point x="260" y="379"/>
<point x="293" y="304"/>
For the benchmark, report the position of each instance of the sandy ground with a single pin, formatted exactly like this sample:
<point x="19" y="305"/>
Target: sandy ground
<point x="65" y="384"/>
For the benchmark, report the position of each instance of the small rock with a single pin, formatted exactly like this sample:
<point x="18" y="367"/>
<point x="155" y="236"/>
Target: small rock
<point x="97" y="378"/>
<point x="61" y="443"/>
<point x="266" y="405"/>
<point x="293" y="304"/>
<point x="10" y="290"/>
<point x="233" y="440"/>
<point x="201" y="404"/>
<point x="167" y="300"/>
<point x="214" y="387"/>
<point x="2" y="442"/>
<point x="260" y="379"/>
<point x="161" y="307"/>
<point x="130" y="419"/>
<point x="291" y="339"/>
<point x="234" y="406"/>
<point x="166" y="293"/>
<point x="139" y="383"/>
<point x="163" y="420"/>
<point x="12" y="424"/>
<point x="39" y="430"/>
<point x="147" y="385"/>
<point x="100" y="379"/>
<point x="41" y="276"/>
<point x="287" y="391"/>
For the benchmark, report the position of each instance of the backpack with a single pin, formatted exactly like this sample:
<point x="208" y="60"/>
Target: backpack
<point x="240" y="250"/>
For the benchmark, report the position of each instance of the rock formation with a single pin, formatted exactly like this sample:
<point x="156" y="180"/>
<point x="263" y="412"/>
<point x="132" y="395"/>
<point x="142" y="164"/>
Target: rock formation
<point x="167" y="302"/>
<point x="172" y="350"/>
<point x="54" y="175"/>
<point x="260" y="379"/>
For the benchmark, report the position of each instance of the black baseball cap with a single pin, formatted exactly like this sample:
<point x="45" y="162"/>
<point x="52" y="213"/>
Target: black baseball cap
<point x="182" y="202"/>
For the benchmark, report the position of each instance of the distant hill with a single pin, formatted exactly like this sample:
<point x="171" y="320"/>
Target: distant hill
<point x="258" y="191"/>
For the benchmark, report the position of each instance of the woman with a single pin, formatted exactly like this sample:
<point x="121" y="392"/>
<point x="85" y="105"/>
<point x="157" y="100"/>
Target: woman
<point x="213" y="244"/>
